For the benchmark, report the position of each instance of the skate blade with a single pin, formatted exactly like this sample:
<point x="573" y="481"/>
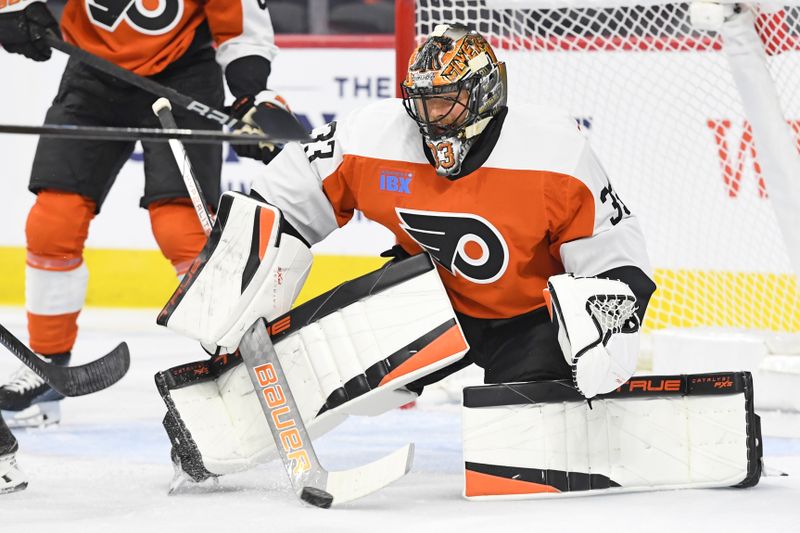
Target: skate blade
<point x="38" y="415"/>
<point x="183" y="484"/>
<point x="15" y="488"/>
<point x="11" y="477"/>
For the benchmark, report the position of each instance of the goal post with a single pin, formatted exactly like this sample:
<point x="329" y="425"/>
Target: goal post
<point x="694" y="110"/>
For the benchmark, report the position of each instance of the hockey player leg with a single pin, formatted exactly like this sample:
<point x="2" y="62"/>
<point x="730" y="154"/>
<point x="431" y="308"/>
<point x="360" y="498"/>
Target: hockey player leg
<point x="177" y="231"/>
<point x="653" y="433"/>
<point x="55" y="289"/>
<point x="11" y="477"/>
<point x="349" y="351"/>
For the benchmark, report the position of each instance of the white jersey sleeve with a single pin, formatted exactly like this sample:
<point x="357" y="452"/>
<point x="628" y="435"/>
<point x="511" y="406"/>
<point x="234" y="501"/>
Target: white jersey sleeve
<point x="240" y="28"/>
<point x="293" y="182"/>
<point x="616" y="239"/>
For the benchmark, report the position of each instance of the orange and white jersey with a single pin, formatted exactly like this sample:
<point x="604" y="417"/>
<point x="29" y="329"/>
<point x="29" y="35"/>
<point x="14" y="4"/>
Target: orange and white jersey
<point x="145" y="36"/>
<point x="540" y="205"/>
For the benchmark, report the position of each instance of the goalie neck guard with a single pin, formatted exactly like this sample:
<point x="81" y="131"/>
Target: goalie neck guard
<point x="454" y="87"/>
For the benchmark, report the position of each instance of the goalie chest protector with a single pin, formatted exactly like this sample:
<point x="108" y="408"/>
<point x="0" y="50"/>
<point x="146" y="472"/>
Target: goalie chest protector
<point x="525" y="440"/>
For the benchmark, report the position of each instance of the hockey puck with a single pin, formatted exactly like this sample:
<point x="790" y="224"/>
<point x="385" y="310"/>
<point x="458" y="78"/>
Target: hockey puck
<point x="316" y="497"/>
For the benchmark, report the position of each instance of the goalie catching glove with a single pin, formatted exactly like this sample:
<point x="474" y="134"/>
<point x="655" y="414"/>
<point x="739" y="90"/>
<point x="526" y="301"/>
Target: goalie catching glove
<point x="254" y="111"/>
<point x="598" y="330"/>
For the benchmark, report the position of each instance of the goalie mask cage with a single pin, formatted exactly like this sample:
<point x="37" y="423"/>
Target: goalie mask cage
<point x="696" y="122"/>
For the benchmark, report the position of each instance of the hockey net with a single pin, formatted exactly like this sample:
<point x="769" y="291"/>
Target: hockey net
<point x="701" y="144"/>
<point x="657" y="98"/>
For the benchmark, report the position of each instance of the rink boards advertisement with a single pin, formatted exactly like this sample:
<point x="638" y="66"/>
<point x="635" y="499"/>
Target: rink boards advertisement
<point x="322" y="84"/>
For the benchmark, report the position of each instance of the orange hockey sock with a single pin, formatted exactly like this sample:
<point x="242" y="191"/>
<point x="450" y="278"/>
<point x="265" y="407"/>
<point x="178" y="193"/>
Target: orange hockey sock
<point x="55" y="276"/>
<point x="177" y="231"/>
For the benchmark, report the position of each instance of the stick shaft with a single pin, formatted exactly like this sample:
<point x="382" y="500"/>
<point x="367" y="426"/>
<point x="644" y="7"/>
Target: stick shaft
<point x="284" y="126"/>
<point x="280" y="409"/>
<point x="143" y="83"/>
<point x="135" y="134"/>
<point x="185" y="167"/>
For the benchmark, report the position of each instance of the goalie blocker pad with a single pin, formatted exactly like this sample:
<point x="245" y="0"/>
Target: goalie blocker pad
<point x="543" y="439"/>
<point x="348" y="351"/>
<point x="249" y="268"/>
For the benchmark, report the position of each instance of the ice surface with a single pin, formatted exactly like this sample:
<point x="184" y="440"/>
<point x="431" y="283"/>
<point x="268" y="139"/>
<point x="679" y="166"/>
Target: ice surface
<point x="106" y="468"/>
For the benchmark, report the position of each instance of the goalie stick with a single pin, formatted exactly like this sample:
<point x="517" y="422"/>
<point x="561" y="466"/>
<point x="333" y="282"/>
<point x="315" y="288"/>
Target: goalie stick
<point x="281" y="124"/>
<point x="163" y="110"/>
<point x="72" y="380"/>
<point x="310" y="481"/>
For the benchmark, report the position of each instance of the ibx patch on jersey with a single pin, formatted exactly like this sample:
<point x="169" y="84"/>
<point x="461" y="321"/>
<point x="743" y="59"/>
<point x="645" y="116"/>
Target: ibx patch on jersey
<point x="465" y="244"/>
<point x="396" y="181"/>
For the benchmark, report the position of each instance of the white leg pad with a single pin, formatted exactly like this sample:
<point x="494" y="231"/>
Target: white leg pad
<point x="349" y="351"/>
<point x="529" y="440"/>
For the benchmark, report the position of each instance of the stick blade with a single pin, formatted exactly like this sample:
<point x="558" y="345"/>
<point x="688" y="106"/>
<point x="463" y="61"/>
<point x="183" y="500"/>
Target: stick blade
<point x="348" y="485"/>
<point x="97" y="375"/>
<point x="278" y="123"/>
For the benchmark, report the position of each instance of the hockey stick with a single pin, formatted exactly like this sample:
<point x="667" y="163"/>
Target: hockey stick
<point x="163" y="111"/>
<point x="72" y="380"/>
<point x="310" y="481"/>
<point x="279" y="123"/>
<point x="136" y="134"/>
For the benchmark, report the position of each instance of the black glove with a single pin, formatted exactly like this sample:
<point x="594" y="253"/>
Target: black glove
<point x="246" y="109"/>
<point x="23" y="32"/>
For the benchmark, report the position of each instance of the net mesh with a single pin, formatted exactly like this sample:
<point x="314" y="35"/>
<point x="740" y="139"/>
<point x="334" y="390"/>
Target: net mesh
<point x="657" y="100"/>
<point x="613" y="312"/>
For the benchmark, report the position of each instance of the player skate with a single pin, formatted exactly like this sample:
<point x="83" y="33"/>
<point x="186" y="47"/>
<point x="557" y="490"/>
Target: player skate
<point x="11" y="477"/>
<point x="27" y="401"/>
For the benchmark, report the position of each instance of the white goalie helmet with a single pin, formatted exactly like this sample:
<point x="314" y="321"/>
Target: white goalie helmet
<point x="454" y="87"/>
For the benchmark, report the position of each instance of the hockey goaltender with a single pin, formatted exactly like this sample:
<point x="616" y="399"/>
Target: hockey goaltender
<point x="514" y="253"/>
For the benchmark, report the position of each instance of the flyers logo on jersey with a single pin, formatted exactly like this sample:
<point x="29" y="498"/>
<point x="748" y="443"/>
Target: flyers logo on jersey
<point x="466" y="245"/>
<point x="151" y="17"/>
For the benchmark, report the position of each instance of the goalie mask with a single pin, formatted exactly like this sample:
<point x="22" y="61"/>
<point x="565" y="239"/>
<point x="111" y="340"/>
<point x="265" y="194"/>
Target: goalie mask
<point x="454" y="87"/>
